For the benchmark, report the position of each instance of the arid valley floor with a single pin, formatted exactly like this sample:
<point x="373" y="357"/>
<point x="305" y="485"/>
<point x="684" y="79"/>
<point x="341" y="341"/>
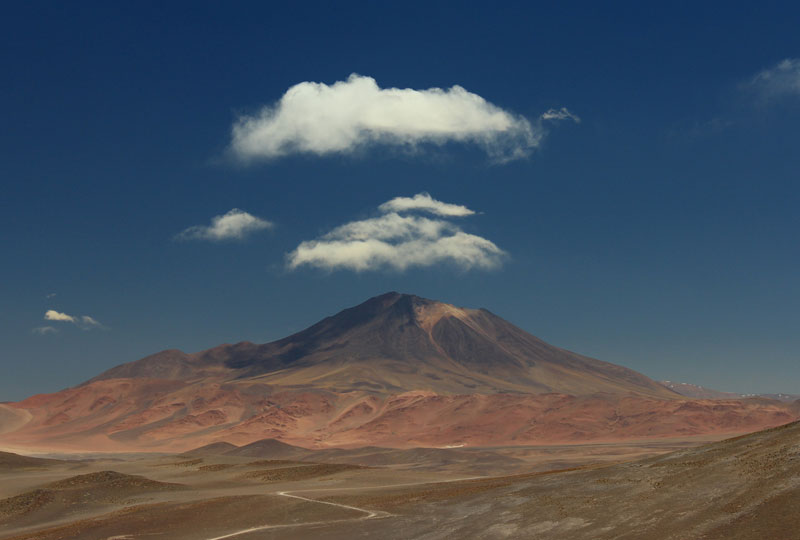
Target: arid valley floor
<point x="745" y="487"/>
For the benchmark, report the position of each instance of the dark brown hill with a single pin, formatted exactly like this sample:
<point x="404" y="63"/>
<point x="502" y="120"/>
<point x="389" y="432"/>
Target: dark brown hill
<point x="213" y="449"/>
<point x="95" y="491"/>
<point x="12" y="462"/>
<point x="270" y="449"/>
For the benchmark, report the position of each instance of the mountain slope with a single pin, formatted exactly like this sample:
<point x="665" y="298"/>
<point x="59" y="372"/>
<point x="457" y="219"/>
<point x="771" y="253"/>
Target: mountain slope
<point x="397" y="370"/>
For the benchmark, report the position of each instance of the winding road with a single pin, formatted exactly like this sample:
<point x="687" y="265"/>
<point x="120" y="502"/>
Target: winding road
<point x="368" y="514"/>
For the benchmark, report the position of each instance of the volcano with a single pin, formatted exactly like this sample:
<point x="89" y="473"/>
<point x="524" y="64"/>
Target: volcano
<point x="397" y="343"/>
<point x="397" y="370"/>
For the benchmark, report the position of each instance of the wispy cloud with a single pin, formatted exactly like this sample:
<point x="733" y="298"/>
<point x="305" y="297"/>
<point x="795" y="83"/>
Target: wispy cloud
<point x="560" y="114"/>
<point x="234" y="225"/>
<point x="426" y="203"/>
<point x="396" y="241"/>
<point x="780" y="81"/>
<point x="81" y="321"/>
<point x="44" y="330"/>
<point x="89" y="322"/>
<point x="340" y="118"/>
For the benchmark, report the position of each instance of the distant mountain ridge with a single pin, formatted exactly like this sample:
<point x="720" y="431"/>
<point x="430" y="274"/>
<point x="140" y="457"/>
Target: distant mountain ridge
<point x="697" y="391"/>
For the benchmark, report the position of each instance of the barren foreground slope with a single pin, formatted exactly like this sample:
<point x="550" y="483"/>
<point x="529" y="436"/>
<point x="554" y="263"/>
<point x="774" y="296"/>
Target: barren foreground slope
<point x="742" y="488"/>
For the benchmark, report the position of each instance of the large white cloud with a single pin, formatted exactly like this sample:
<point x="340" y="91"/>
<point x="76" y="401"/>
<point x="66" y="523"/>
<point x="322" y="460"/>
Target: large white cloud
<point x="781" y="80"/>
<point x="340" y="118"/>
<point x="397" y="241"/>
<point x="234" y="225"/>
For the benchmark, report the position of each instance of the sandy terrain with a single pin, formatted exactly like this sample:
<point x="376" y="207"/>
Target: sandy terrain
<point x="743" y="488"/>
<point x="186" y="498"/>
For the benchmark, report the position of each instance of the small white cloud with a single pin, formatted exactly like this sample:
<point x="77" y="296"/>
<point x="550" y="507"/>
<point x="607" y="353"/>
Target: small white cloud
<point x="397" y="241"/>
<point x="53" y="315"/>
<point x="321" y="119"/>
<point x="234" y="225"/>
<point x="44" y="330"/>
<point x="779" y="81"/>
<point x="50" y="295"/>
<point x="561" y="114"/>
<point x="424" y="202"/>
<point x="84" y="322"/>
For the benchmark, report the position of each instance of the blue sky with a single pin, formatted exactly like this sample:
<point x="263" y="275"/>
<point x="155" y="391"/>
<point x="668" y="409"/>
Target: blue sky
<point x="660" y="232"/>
